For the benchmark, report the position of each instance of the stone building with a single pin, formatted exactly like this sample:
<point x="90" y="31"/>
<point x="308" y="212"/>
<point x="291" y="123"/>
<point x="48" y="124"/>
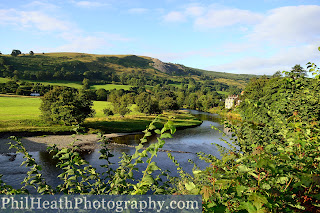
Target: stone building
<point x="232" y="100"/>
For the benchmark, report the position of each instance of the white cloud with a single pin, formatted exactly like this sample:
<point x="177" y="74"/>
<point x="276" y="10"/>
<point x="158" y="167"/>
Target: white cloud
<point x="282" y="60"/>
<point x="43" y="22"/>
<point x="74" y="39"/>
<point x="226" y="17"/>
<point x="33" y="20"/>
<point x="174" y="16"/>
<point x="289" y="25"/>
<point x="138" y="10"/>
<point x="195" y="10"/>
<point x="90" y="4"/>
<point x="213" y="16"/>
<point x="41" y="5"/>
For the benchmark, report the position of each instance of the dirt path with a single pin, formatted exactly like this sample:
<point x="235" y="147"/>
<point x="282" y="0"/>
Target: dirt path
<point x="41" y="143"/>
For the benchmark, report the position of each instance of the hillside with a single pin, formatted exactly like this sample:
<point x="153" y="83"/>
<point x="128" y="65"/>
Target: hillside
<point x="108" y="68"/>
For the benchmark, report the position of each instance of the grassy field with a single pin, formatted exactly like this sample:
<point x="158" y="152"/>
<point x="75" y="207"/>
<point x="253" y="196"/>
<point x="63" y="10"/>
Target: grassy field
<point x="18" y="108"/>
<point x="22" y="114"/>
<point x="111" y="87"/>
<point x="75" y="84"/>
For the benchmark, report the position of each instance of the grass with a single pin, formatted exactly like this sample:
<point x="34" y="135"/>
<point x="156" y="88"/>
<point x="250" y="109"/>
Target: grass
<point x="111" y="87"/>
<point x="18" y="108"/>
<point x="223" y="92"/>
<point x="177" y="85"/>
<point x="74" y="84"/>
<point x="238" y="83"/>
<point x="22" y="114"/>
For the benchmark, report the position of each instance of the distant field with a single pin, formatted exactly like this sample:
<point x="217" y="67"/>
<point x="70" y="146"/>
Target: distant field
<point x="111" y="87"/>
<point x="22" y="114"/>
<point x="223" y="92"/>
<point x="19" y="108"/>
<point x="176" y="85"/>
<point x="75" y="84"/>
<point x="239" y="83"/>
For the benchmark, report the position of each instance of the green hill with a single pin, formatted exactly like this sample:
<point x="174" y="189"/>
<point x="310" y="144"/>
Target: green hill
<point x="102" y="69"/>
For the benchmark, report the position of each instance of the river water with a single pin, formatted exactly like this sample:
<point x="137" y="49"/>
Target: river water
<point x="191" y="141"/>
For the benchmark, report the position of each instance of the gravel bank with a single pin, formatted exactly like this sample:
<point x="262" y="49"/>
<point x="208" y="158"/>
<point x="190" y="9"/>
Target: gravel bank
<point x="41" y="143"/>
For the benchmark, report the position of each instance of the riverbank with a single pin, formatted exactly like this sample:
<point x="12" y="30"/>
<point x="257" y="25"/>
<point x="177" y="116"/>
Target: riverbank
<point x="229" y="114"/>
<point x="40" y="143"/>
<point x="40" y="140"/>
<point x="121" y="124"/>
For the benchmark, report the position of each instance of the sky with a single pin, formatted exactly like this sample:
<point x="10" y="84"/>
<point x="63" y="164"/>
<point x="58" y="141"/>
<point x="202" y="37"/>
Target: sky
<point x="244" y="37"/>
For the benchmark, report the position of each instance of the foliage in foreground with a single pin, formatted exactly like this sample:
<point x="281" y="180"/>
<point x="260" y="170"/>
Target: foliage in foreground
<point x="271" y="166"/>
<point x="273" y="163"/>
<point x="81" y="178"/>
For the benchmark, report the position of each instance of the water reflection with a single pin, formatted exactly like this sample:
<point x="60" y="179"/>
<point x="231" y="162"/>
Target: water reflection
<point x="192" y="140"/>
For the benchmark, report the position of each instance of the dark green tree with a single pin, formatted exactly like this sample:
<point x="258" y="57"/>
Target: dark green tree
<point x="102" y="94"/>
<point x="107" y="112"/>
<point x="147" y="104"/>
<point x="168" y="103"/>
<point x="297" y="72"/>
<point x="85" y="83"/>
<point x="66" y="105"/>
<point x="15" y="53"/>
<point x="120" y="105"/>
<point x="277" y="74"/>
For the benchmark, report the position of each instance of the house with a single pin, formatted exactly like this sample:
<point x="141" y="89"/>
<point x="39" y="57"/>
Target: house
<point x="232" y="100"/>
<point x="35" y="94"/>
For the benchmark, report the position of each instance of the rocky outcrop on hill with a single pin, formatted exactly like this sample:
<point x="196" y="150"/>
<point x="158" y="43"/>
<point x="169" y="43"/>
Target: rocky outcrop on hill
<point x="168" y="68"/>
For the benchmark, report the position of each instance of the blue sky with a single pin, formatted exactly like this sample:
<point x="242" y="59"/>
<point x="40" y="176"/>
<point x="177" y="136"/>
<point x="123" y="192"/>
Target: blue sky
<point x="254" y="37"/>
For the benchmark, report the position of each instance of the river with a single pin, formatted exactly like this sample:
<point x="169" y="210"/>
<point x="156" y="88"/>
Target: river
<point x="190" y="141"/>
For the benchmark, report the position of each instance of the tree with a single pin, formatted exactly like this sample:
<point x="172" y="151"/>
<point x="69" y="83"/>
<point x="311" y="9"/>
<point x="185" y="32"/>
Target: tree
<point x="66" y="105"/>
<point x="297" y="72"/>
<point x="102" y="94"/>
<point x="120" y="106"/>
<point x="147" y="104"/>
<point x="168" y="103"/>
<point x="277" y="74"/>
<point x="15" y="53"/>
<point x="85" y="83"/>
<point x="107" y="112"/>
<point x="31" y="53"/>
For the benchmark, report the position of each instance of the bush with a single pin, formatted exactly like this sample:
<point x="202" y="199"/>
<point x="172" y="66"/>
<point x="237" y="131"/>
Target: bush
<point x="107" y="112"/>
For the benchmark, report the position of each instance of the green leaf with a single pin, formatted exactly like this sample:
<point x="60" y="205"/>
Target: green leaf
<point x="151" y="126"/>
<point x="240" y="189"/>
<point x="148" y="180"/>
<point x="248" y="206"/>
<point x="265" y="186"/>
<point x="148" y="134"/>
<point x="166" y="135"/>
<point x="190" y="186"/>
<point x="243" y="168"/>
<point x="72" y="178"/>
<point x="153" y="166"/>
<point x="258" y="200"/>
